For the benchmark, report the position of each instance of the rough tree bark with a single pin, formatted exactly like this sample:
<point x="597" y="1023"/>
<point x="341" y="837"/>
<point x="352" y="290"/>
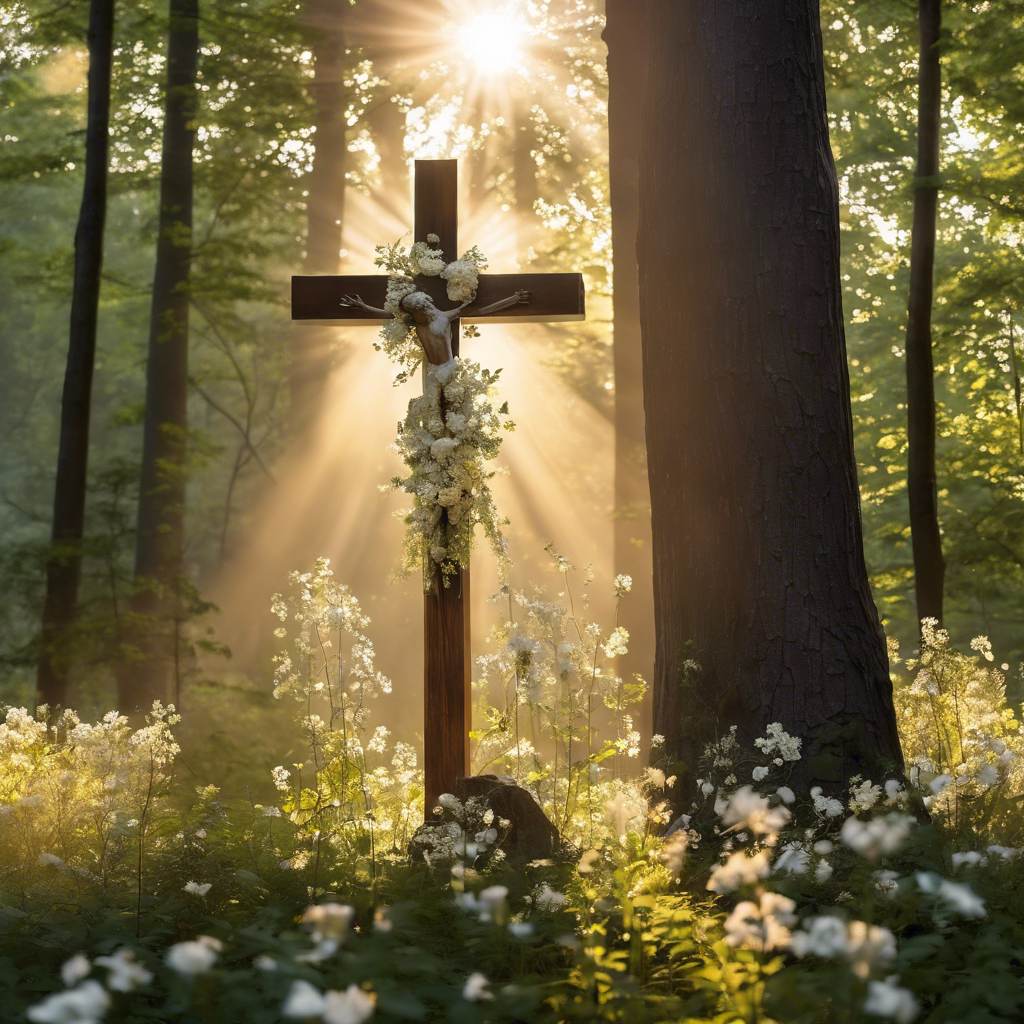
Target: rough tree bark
<point x="625" y="35"/>
<point x="762" y="602"/>
<point x="161" y="515"/>
<point x="64" y="566"/>
<point x="324" y="22"/>
<point x="922" y="488"/>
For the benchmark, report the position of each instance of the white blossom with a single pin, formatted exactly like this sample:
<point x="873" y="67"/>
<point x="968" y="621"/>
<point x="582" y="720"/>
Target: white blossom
<point x="825" y="806"/>
<point x="547" y="899"/>
<point x="85" y="1004"/>
<point x="761" y="927"/>
<point x="197" y="888"/>
<point x="877" y="837"/>
<point x="954" y="896"/>
<point x="887" y="999"/>
<point x="777" y="741"/>
<point x="124" y="972"/>
<point x="739" y="870"/>
<point x="194" y="957"/>
<point x="746" y="808"/>
<point x="476" y="988"/>
<point x="74" y="970"/>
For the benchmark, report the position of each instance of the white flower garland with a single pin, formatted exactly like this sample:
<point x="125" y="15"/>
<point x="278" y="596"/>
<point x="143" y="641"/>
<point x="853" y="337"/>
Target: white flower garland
<point x="450" y="431"/>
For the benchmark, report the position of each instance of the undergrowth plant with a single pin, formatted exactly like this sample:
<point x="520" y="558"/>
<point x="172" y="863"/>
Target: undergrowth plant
<point x="132" y="889"/>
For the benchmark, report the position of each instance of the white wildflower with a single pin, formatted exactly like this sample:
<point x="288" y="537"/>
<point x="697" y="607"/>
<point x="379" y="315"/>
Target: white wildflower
<point x="971" y="858"/>
<point x="823" y="936"/>
<point x="887" y="999"/>
<point x="617" y="643"/>
<point x="777" y="741"/>
<point x="124" y="972"/>
<point x="194" y="957"/>
<point x="954" y="896"/>
<point x="825" y="806"/>
<point x="476" y="988"/>
<point x="353" y="1006"/>
<point x="623" y="584"/>
<point x="75" y="969"/>
<point x="303" y="1001"/>
<point x="864" y="796"/>
<point x="197" y="888"/>
<point x="739" y="870"/>
<point x="748" y="809"/>
<point x="785" y="794"/>
<point x="877" y="837"/>
<point x="494" y="904"/>
<point x="547" y="899"/>
<point x="793" y="860"/>
<point x="869" y="946"/>
<point x="759" y="773"/>
<point x="761" y="927"/>
<point x="85" y="1004"/>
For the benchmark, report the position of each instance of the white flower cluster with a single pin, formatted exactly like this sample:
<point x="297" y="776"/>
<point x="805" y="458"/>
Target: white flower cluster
<point x="353" y="1006"/>
<point x="761" y="926"/>
<point x="779" y="743"/>
<point x="87" y="1003"/>
<point x="468" y="831"/>
<point x="866" y="946"/>
<point x="462" y="277"/>
<point x="448" y="435"/>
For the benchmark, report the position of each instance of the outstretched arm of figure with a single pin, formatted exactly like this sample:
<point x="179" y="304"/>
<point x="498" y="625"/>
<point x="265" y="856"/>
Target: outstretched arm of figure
<point x="357" y="303"/>
<point x="519" y="299"/>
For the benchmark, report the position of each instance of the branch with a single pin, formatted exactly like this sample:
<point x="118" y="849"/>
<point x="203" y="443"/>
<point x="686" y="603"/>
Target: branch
<point x="234" y="422"/>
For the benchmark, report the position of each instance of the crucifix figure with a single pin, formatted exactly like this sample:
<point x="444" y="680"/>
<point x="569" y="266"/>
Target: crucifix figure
<point x="433" y="325"/>
<point x="501" y="298"/>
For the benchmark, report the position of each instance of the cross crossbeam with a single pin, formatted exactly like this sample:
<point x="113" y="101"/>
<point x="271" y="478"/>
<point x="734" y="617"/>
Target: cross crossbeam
<point x="447" y="661"/>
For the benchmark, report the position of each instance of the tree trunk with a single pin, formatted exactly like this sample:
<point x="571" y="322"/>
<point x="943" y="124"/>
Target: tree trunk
<point x="325" y="202"/>
<point x="625" y="35"/>
<point x="922" y="490"/>
<point x="161" y="517"/>
<point x="762" y="603"/>
<point x="63" y="568"/>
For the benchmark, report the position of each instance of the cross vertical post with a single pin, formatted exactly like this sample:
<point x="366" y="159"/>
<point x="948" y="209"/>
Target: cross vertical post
<point x="447" y="657"/>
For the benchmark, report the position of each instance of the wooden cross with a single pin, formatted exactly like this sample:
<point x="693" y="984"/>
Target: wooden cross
<point x="447" y="663"/>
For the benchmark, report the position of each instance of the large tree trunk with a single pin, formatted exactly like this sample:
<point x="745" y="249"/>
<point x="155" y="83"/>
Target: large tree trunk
<point x="625" y="35"/>
<point x="763" y="608"/>
<point x="312" y="347"/>
<point x="64" y="566"/>
<point x="922" y="490"/>
<point x="156" y="604"/>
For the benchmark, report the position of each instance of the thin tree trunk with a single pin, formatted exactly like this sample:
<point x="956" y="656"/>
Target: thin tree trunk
<point x="625" y="35"/>
<point x="922" y="489"/>
<point x="161" y="516"/>
<point x="64" y="566"/>
<point x="762" y="603"/>
<point x="325" y="202"/>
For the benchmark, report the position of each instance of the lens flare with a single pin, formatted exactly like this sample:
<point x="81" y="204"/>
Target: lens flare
<point x="493" y="41"/>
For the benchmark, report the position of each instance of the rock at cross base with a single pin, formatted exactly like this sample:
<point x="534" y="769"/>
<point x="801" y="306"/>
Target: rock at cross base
<point x="531" y="835"/>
